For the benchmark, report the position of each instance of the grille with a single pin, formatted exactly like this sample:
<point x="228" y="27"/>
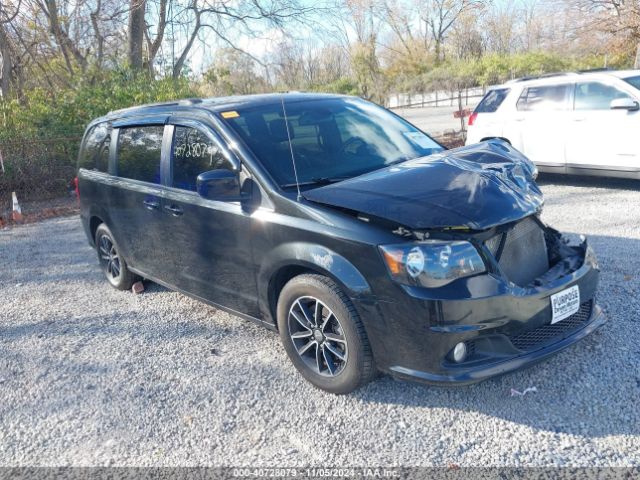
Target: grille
<point x="544" y="334"/>
<point x="471" y="348"/>
<point x="524" y="255"/>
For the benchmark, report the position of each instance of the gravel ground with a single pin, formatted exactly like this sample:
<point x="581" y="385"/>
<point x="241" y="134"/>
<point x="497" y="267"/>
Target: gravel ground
<point x="93" y="376"/>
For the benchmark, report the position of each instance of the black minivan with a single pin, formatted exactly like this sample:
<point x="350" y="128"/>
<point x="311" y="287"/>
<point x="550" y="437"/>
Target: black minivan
<point x="361" y="240"/>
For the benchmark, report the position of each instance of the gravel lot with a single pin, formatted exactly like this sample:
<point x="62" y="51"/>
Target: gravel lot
<point x="93" y="376"/>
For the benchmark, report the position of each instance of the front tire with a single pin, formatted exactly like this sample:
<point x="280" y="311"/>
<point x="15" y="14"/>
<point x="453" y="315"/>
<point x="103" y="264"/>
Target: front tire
<point x="323" y="334"/>
<point x="111" y="261"/>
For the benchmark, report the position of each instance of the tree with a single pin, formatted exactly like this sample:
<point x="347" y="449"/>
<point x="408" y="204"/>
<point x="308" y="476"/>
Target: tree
<point x="226" y="20"/>
<point x="620" y="19"/>
<point x="407" y="53"/>
<point x="500" y="27"/>
<point x="136" y="32"/>
<point x="57" y="28"/>
<point x="233" y="73"/>
<point x="467" y="39"/>
<point x="364" y="18"/>
<point x="7" y="53"/>
<point x="153" y="45"/>
<point x="441" y="15"/>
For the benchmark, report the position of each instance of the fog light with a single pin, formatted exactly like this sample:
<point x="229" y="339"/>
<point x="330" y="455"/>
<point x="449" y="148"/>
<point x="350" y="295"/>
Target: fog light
<point x="459" y="352"/>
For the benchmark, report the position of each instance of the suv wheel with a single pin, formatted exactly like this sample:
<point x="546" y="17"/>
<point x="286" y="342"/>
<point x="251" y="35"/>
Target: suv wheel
<point x="323" y="335"/>
<point x="112" y="263"/>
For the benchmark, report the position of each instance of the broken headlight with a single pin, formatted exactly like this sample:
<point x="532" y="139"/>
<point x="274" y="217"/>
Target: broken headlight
<point x="432" y="263"/>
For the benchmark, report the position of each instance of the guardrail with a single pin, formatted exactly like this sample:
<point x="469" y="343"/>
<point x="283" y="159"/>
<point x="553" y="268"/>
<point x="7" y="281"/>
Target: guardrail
<point x="436" y="99"/>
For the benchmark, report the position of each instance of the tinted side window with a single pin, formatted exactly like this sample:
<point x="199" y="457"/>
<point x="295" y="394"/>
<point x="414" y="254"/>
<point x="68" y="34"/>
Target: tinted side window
<point x="492" y="100"/>
<point x="545" y="98"/>
<point x="193" y="153"/>
<point x="95" y="155"/>
<point x="139" y="153"/>
<point x="596" y="96"/>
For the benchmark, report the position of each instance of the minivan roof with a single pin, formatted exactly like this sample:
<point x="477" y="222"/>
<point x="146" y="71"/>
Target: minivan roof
<point x="215" y="104"/>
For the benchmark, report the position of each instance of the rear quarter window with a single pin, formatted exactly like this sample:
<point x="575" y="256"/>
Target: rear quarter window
<point x="492" y="100"/>
<point x="139" y="151"/>
<point x="95" y="152"/>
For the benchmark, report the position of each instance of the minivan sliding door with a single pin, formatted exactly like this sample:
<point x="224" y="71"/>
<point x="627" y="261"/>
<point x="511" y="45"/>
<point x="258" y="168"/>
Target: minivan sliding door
<point x="135" y="202"/>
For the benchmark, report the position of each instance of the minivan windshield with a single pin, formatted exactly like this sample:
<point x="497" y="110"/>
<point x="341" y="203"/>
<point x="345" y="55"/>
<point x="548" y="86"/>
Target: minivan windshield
<point x="332" y="139"/>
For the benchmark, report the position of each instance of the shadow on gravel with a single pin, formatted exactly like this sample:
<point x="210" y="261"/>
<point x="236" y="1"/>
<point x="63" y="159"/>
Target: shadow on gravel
<point x="106" y="325"/>
<point x="588" y="182"/>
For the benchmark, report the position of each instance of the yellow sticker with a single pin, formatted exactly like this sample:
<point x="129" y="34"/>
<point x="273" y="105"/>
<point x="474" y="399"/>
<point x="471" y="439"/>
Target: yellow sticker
<point x="230" y="114"/>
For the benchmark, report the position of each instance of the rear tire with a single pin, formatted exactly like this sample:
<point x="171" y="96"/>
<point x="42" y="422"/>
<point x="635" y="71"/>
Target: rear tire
<point x="111" y="261"/>
<point x="323" y="334"/>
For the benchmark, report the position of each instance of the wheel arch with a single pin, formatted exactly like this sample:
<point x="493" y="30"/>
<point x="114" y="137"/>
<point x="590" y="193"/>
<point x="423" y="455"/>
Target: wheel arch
<point x="92" y="216"/>
<point x="293" y="259"/>
<point x="94" y="222"/>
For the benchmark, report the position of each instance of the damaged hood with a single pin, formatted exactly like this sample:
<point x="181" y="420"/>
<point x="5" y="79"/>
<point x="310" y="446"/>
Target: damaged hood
<point x="477" y="187"/>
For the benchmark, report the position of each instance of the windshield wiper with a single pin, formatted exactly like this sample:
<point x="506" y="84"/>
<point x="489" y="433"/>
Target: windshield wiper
<point x="315" y="181"/>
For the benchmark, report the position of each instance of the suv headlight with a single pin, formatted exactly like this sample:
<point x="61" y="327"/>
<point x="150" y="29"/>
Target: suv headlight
<point x="432" y="263"/>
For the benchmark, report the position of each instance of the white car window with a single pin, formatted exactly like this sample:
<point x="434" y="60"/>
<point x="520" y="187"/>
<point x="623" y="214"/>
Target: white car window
<point x="596" y="96"/>
<point x="492" y="100"/>
<point x="545" y="98"/>
<point x="634" y="81"/>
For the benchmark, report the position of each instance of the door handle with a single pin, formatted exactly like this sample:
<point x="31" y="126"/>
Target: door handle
<point x="151" y="204"/>
<point x="579" y="119"/>
<point x="173" y="209"/>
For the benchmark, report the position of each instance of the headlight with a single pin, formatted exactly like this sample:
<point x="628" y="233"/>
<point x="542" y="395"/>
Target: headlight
<point x="432" y="263"/>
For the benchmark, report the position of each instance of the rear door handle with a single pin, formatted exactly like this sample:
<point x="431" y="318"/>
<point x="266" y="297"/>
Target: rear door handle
<point x="173" y="209"/>
<point x="151" y="204"/>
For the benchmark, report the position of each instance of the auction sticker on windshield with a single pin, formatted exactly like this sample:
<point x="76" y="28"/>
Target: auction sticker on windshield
<point x="565" y="303"/>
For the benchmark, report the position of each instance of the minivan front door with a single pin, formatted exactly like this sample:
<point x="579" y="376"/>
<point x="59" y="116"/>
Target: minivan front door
<point x="207" y="243"/>
<point x="601" y="137"/>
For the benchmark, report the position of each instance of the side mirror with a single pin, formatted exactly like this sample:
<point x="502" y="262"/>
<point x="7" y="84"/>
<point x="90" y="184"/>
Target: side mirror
<point x="221" y="184"/>
<point x="624" y="104"/>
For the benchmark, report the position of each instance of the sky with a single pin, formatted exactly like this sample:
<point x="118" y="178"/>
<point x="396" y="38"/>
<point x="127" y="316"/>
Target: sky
<point x="259" y="45"/>
<point x="203" y="52"/>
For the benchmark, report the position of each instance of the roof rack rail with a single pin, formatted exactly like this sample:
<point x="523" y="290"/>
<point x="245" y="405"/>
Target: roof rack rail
<point x="560" y="74"/>
<point x="190" y="101"/>
<point x="174" y="103"/>
<point x="599" y="69"/>
<point x="543" y="75"/>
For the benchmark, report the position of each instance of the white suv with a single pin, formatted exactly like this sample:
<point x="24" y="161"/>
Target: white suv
<point x="582" y="123"/>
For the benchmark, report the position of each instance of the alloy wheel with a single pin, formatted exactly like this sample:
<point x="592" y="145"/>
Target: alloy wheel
<point x="318" y="336"/>
<point x="109" y="258"/>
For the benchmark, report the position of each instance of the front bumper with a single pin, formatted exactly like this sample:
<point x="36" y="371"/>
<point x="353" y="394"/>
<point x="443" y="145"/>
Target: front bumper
<point x="467" y="375"/>
<point x="506" y="326"/>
